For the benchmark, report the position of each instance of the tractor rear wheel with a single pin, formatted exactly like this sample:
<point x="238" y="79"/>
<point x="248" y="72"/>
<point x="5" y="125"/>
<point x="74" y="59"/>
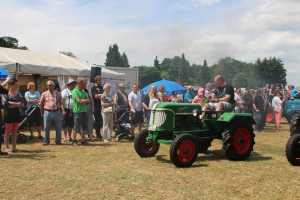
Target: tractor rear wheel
<point x="295" y="124"/>
<point x="238" y="141"/>
<point x="142" y="148"/>
<point x="292" y="150"/>
<point x="183" y="151"/>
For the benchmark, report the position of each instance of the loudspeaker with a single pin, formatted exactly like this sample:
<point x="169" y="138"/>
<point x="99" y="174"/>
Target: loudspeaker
<point x="94" y="72"/>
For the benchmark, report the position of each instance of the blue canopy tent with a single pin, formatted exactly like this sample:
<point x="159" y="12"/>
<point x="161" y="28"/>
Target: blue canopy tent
<point x="171" y="87"/>
<point x="4" y="74"/>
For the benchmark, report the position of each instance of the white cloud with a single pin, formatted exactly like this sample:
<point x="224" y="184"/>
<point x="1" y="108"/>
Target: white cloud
<point x="145" y="30"/>
<point x="205" y="2"/>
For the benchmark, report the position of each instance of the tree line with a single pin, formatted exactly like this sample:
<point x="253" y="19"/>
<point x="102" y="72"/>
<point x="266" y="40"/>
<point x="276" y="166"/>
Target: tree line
<point x="239" y="74"/>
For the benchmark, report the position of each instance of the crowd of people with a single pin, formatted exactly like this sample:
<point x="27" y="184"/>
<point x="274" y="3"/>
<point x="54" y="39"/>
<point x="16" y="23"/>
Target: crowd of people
<point x="78" y="110"/>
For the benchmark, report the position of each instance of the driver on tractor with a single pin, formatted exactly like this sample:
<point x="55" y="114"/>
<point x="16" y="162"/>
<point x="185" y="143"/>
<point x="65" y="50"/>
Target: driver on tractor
<point x="225" y="95"/>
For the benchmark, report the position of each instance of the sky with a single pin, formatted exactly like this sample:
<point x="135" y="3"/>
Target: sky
<point x="143" y="29"/>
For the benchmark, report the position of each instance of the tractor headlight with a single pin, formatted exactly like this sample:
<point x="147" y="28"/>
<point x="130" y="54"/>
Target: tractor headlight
<point x="195" y="112"/>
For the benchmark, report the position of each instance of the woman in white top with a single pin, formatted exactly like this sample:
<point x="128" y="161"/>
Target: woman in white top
<point x="277" y="106"/>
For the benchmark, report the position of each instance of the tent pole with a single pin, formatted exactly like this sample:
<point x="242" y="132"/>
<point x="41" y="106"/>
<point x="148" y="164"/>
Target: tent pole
<point x="17" y="70"/>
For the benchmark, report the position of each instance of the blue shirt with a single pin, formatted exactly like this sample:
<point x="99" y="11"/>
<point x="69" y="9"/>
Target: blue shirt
<point x="30" y="96"/>
<point x="293" y="92"/>
<point x="188" y="96"/>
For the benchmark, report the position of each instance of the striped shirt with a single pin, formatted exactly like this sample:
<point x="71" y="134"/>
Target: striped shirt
<point x="51" y="101"/>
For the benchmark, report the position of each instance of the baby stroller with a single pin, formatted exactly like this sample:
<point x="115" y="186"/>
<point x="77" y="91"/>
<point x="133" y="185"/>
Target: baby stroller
<point x="21" y="138"/>
<point x="122" y="124"/>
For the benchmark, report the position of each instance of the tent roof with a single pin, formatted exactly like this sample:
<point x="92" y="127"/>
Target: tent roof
<point x="48" y="63"/>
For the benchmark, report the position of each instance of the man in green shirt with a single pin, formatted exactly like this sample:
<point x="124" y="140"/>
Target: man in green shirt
<point x="79" y="100"/>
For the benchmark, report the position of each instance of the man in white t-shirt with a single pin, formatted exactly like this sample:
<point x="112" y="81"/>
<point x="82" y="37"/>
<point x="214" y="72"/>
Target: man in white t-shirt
<point x="135" y="103"/>
<point x="239" y="102"/>
<point x="67" y="109"/>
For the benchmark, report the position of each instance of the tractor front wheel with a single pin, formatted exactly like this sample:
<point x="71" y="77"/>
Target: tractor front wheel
<point x="292" y="150"/>
<point x="142" y="148"/>
<point x="183" y="151"/>
<point x="238" y="141"/>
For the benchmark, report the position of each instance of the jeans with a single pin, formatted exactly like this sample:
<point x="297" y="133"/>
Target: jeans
<point x="57" y="118"/>
<point x="258" y="121"/>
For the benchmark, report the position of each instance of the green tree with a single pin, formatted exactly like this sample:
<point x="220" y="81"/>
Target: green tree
<point x="240" y="80"/>
<point x="173" y="70"/>
<point x="166" y="64"/>
<point x="125" y="62"/>
<point x="147" y="75"/>
<point x="204" y="74"/>
<point x="68" y="53"/>
<point x="11" y="42"/>
<point x="113" y="57"/>
<point x="156" y="64"/>
<point x="183" y="73"/>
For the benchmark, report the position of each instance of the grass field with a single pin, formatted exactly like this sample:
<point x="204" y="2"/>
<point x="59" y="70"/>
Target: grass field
<point x="115" y="171"/>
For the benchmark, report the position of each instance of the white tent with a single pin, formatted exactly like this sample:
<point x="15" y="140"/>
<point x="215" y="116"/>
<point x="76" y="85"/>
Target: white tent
<point x="48" y="64"/>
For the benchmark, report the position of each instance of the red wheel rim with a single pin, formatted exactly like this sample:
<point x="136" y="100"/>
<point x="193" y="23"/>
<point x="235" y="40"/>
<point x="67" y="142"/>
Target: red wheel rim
<point x="147" y="148"/>
<point x="241" y="140"/>
<point x="270" y="115"/>
<point x="297" y="151"/>
<point x="186" y="151"/>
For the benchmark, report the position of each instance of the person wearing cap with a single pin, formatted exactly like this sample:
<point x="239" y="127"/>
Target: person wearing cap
<point x="200" y="96"/>
<point x="97" y="91"/>
<point x="258" y="106"/>
<point x="67" y="110"/>
<point x="3" y="90"/>
<point x="50" y="105"/>
<point x="189" y="96"/>
<point x="12" y="102"/>
<point x="121" y="101"/>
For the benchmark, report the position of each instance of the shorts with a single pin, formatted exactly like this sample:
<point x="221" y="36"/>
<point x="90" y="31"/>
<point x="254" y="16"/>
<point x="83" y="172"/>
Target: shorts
<point x="80" y="122"/>
<point x="226" y="106"/>
<point x="11" y="127"/>
<point x="68" y="120"/>
<point x="138" y="117"/>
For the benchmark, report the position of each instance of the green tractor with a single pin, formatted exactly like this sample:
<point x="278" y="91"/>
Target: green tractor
<point x="179" y="125"/>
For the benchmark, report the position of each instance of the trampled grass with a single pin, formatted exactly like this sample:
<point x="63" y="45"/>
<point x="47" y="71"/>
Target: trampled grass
<point x="115" y="171"/>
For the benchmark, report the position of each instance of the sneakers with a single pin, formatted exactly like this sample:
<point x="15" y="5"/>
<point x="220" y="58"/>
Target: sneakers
<point x="84" y="142"/>
<point x="31" y="137"/>
<point x="45" y="143"/>
<point x="40" y="137"/>
<point x="106" y="140"/>
<point x="75" y="143"/>
<point x="58" y="143"/>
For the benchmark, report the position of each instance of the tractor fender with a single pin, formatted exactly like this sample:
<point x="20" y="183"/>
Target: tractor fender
<point x="228" y="117"/>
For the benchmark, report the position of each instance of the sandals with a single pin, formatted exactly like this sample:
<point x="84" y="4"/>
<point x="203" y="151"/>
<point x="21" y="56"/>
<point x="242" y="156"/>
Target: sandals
<point x="15" y="150"/>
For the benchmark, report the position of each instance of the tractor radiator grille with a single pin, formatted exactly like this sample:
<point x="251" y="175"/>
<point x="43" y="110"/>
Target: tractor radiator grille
<point x="159" y="118"/>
